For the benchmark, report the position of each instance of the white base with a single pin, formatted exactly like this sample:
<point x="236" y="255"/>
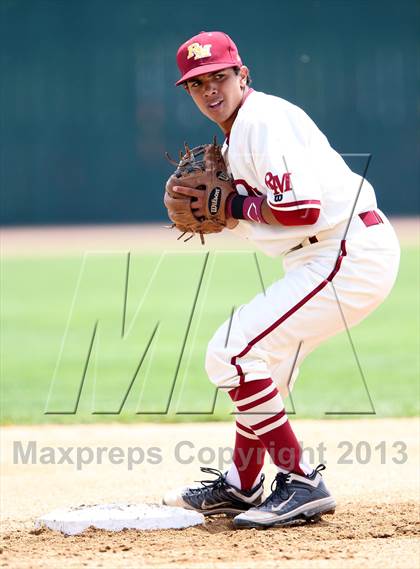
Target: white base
<point x="116" y="517"/>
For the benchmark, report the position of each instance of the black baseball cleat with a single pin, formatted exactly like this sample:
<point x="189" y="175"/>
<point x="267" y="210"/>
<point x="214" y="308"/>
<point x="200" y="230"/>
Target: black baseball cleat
<point x="215" y="496"/>
<point x="293" y="499"/>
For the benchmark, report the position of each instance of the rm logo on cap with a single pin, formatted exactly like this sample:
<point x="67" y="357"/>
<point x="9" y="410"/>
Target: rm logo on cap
<point x="199" y="51"/>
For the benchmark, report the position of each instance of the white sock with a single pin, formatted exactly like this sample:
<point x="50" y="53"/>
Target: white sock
<point x="232" y="477"/>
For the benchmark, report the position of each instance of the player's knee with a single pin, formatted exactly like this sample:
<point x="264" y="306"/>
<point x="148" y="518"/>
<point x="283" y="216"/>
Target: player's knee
<point x="212" y="362"/>
<point x="217" y="363"/>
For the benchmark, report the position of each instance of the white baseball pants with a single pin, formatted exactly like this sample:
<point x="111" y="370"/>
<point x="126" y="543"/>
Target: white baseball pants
<point x="327" y="286"/>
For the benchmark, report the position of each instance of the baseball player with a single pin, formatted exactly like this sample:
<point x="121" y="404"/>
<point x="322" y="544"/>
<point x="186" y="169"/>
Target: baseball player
<point x="294" y="196"/>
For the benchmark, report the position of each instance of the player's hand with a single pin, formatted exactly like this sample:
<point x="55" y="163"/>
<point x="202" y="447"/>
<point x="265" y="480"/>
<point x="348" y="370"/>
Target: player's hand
<point x="197" y="199"/>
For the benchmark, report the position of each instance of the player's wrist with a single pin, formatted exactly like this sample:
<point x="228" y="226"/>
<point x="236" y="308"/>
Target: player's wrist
<point x="248" y="208"/>
<point x="228" y="205"/>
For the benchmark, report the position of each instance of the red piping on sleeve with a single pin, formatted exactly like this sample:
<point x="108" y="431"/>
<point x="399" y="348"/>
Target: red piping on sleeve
<point x="305" y="216"/>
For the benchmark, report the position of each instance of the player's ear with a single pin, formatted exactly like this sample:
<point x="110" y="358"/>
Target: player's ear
<point x="243" y="73"/>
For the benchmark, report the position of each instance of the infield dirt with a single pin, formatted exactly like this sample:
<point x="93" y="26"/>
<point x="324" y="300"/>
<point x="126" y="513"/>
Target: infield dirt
<point x="68" y="240"/>
<point x="376" y="523"/>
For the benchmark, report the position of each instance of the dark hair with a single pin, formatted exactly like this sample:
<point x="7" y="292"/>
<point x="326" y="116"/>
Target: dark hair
<point x="248" y="79"/>
<point x="236" y="71"/>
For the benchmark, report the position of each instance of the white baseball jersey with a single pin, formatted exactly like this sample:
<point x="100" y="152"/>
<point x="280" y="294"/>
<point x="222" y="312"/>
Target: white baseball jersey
<point x="275" y="149"/>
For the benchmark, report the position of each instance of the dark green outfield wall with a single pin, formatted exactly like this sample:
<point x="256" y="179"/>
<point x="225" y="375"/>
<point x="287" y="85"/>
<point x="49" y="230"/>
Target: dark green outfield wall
<point x="88" y="105"/>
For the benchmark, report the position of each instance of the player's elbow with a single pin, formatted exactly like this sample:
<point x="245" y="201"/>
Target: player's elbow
<point x="304" y="216"/>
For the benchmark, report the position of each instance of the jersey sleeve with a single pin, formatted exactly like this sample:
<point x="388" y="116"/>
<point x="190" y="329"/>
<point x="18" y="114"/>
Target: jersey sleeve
<point x="283" y="169"/>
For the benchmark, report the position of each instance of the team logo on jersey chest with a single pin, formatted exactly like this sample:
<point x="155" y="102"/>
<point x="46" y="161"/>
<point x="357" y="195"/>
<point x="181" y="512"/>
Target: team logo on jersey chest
<point x="273" y="182"/>
<point x="198" y="51"/>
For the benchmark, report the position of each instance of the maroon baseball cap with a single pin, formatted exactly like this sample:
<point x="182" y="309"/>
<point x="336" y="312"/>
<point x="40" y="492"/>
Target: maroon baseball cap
<point x="205" y="53"/>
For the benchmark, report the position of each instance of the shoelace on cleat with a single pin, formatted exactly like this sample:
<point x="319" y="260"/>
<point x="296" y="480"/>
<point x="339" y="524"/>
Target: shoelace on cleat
<point x="279" y="488"/>
<point x="219" y="482"/>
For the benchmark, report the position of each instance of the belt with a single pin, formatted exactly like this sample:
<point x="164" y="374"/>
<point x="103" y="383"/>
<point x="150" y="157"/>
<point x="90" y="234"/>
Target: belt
<point x="368" y="217"/>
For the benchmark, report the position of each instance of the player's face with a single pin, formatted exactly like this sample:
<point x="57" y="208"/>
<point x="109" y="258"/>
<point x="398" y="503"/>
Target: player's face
<point x="218" y="95"/>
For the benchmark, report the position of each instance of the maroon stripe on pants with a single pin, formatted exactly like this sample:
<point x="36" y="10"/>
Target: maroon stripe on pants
<point x="281" y="442"/>
<point x="290" y="312"/>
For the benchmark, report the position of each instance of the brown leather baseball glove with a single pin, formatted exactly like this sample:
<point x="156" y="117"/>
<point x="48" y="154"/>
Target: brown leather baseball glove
<point x="191" y="211"/>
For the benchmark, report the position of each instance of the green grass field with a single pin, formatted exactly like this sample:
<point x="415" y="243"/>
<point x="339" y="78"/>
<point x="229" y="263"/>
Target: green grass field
<point x="74" y="337"/>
